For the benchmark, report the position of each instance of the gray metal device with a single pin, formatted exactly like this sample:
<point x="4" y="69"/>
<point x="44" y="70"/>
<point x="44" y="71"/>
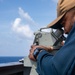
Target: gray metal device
<point x="51" y="38"/>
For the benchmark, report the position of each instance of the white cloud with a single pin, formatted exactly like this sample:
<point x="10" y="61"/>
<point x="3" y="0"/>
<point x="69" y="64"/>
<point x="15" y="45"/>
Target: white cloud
<point x="16" y="22"/>
<point x="25" y="15"/>
<point x="23" y="30"/>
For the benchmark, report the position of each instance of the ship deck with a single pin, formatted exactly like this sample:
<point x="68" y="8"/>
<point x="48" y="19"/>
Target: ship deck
<point x="14" y="68"/>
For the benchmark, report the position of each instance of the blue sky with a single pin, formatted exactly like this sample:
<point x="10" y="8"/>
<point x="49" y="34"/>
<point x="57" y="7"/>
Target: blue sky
<point x="19" y="19"/>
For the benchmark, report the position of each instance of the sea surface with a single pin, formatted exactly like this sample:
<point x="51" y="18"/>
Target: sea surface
<point x="9" y="59"/>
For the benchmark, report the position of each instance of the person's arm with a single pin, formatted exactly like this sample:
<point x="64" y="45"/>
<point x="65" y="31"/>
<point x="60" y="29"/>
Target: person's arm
<point x="62" y="63"/>
<point x="44" y="64"/>
<point x="43" y="59"/>
<point x="33" y="48"/>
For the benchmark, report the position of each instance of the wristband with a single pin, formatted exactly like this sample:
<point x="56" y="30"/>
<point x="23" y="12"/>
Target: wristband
<point x="36" y="52"/>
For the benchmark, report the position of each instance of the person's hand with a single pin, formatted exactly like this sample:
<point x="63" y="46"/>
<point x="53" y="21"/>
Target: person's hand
<point x="33" y="47"/>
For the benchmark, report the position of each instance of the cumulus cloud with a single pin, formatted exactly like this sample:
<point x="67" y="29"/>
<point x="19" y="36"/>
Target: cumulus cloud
<point x="23" y="30"/>
<point x="21" y="25"/>
<point x="26" y="16"/>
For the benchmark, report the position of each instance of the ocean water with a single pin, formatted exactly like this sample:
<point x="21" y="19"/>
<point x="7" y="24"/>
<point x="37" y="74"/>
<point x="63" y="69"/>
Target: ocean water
<point x="9" y="59"/>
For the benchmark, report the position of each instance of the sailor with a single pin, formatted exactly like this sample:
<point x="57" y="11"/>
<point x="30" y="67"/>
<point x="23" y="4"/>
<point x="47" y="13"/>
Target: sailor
<point x="63" y="62"/>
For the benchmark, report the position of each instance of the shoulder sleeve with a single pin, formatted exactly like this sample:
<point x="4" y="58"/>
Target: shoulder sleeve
<point x="44" y="64"/>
